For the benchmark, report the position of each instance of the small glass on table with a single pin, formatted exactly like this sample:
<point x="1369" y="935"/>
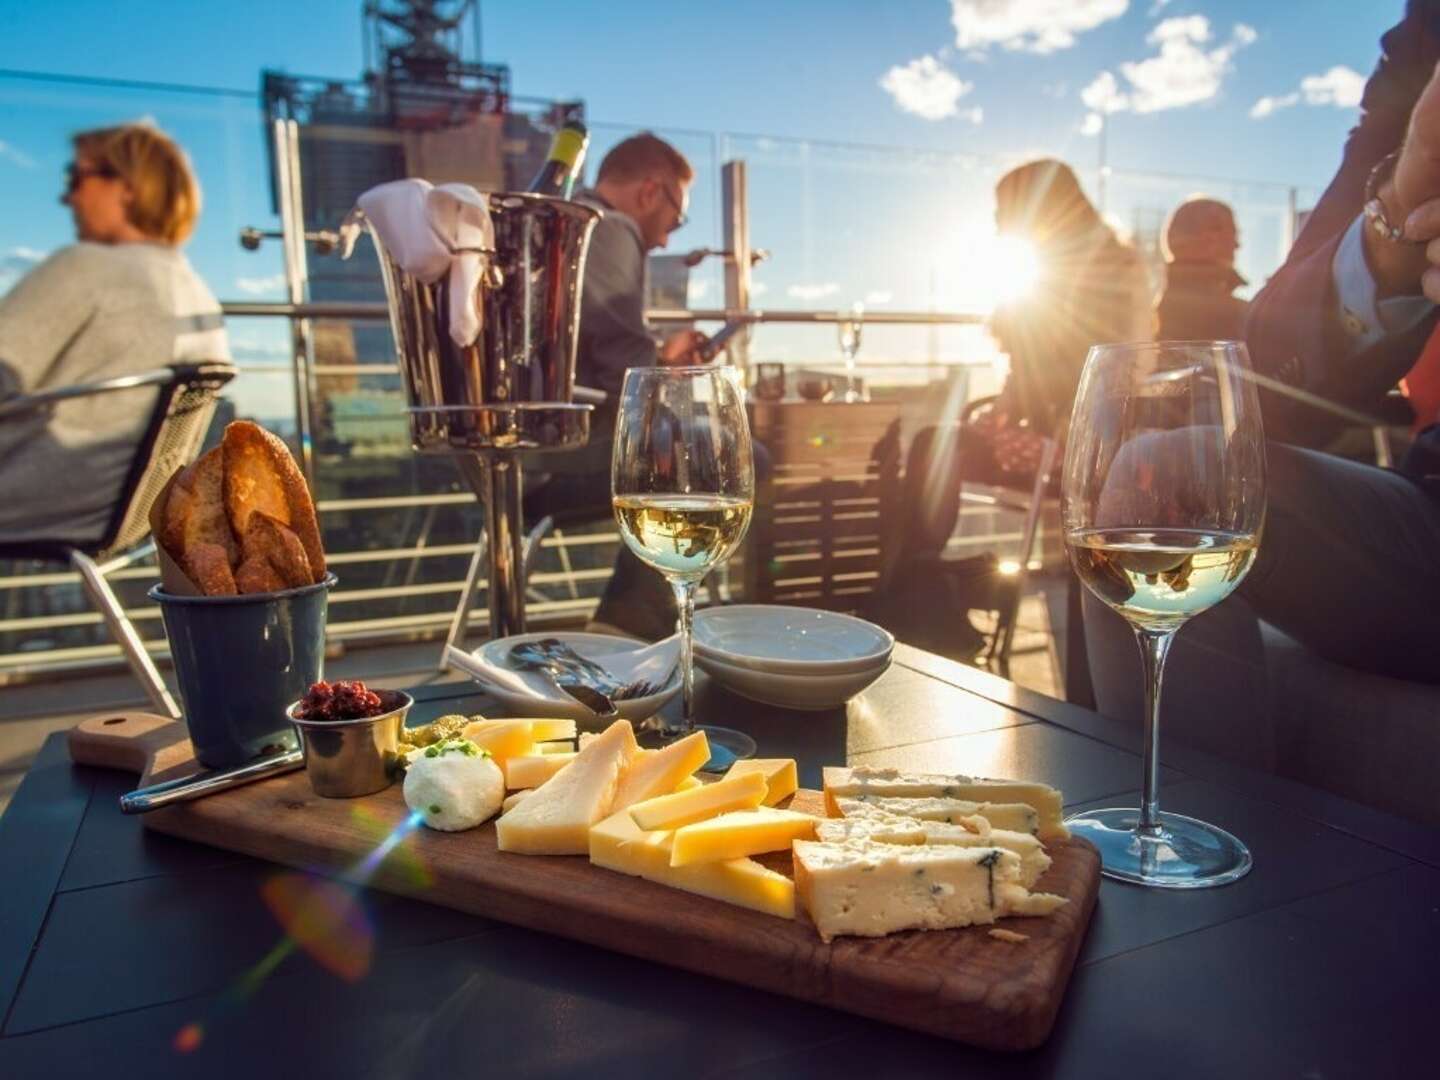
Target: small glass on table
<point x="1163" y="505"/>
<point x="683" y="489"/>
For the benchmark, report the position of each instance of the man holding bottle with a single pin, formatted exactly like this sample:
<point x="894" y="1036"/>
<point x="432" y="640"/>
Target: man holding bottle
<point x="641" y="190"/>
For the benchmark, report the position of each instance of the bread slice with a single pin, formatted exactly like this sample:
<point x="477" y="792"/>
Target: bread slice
<point x="260" y="475"/>
<point x="195" y="529"/>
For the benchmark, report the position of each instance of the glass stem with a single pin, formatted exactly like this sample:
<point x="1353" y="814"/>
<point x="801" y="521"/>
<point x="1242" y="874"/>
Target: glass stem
<point x="685" y="603"/>
<point x="1154" y="647"/>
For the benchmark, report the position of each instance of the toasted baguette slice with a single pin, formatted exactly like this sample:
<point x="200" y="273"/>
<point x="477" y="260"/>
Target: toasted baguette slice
<point x="267" y="539"/>
<point x="195" y="529"/>
<point x="260" y="475"/>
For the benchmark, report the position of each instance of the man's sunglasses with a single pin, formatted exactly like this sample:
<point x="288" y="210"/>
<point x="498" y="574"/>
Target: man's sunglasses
<point x="75" y="175"/>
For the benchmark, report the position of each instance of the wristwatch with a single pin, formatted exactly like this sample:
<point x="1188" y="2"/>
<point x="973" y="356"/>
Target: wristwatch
<point x="1375" y="216"/>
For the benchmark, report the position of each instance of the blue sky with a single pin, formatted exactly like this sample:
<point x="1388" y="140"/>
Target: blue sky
<point x="1002" y="79"/>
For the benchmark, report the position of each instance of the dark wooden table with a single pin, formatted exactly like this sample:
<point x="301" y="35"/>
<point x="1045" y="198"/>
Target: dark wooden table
<point x="129" y="954"/>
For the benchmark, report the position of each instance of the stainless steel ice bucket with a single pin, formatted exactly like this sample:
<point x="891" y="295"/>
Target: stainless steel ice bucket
<point x="511" y="389"/>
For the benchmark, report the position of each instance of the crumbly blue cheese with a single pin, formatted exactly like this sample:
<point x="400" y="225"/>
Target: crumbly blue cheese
<point x="868" y="781"/>
<point x="1017" y="817"/>
<point x="882" y="828"/>
<point x="869" y="890"/>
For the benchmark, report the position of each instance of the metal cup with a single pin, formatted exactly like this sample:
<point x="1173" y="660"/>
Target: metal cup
<point x="348" y="758"/>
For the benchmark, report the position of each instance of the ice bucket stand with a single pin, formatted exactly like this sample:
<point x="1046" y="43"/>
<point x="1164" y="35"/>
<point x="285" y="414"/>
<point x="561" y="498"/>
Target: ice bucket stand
<point x="509" y="392"/>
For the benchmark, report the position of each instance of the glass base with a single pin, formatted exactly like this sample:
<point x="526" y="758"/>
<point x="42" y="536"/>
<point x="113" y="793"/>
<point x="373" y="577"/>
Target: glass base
<point x="1184" y="854"/>
<point x="727" y="745"/>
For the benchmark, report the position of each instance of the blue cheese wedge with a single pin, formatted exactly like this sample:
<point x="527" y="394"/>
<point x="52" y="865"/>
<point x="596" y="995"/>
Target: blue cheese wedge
<point x="1017" y="817"/>
<point x="866" y="781"/>
<point x="882" y="828"/>
<point x="869" y="890"/>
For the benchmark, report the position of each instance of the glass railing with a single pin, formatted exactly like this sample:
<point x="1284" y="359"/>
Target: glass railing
<point x="892" y="229"/>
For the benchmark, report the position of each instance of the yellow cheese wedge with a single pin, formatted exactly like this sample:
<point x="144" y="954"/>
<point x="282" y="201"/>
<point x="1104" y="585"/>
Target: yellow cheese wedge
<point x="511" y="799"/>
<point x="503" y="738"/>
<point x="563" y="747"/>
<point x="542" y="729"/>
<point x="737" y="834"/>
<point x="688" y="783"/>
<point x="656" y="772"/>
<point x="672" y="811"/>
<point x="780" y="777"/>
<point x="617" y="843"/>
<point x="556" y="818"/>
<point x="532" y="770"/>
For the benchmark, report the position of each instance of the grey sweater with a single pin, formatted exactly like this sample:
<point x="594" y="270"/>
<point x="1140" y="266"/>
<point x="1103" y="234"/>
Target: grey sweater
<point x="88" y="312"/>
<point x="613" y="332"/>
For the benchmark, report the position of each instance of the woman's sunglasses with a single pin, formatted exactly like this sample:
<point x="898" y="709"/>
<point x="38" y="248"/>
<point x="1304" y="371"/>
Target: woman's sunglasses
<point x="75" y="175"/>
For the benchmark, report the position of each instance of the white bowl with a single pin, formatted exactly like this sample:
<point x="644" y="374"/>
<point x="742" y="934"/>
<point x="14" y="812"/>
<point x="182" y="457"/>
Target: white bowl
<point x="805" y="692"/>
<point x="791" y="640"/>
<point x="531" y="693"/>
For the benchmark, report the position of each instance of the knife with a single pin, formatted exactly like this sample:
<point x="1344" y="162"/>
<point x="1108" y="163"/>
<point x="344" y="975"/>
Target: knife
<point x="185" y="788"/>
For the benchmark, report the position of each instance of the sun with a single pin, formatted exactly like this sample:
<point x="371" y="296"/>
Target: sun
<point x="992" y="270"/>
<point x="1016" y="268"/>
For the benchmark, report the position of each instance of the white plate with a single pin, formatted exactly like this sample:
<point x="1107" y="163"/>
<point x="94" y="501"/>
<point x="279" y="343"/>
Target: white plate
<point x="790" y="640"/>
<point x="805" y="692"/>
<point x="529" y="693"/>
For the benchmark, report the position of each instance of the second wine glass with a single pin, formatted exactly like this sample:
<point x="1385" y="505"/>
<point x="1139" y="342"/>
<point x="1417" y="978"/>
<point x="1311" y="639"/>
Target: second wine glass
<point x="683" y="488"/>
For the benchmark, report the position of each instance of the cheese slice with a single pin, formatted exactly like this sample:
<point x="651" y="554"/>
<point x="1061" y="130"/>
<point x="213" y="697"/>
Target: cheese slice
<point x="870" y="781"/>
<point x="688" y="783"/>
<point x="532" y="770"/>
<point x="781" y="779"/>
<point x="511" y="799"/>
<point x="542" y="729"/>
<point x="656" y="772"/>
<point x="1018" y="817"/>
<point x="503" y="738"/>
<point x="884" y="828"/>
<point x="869" y="890"/>
<point x="562" y="746"/>
<point x="672" y="811"/>
<point x="556" y="818"/>
<point x="617" y="843"/>
<point x="738" y="834"/>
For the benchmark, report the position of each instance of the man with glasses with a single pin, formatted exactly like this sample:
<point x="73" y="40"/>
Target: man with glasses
<point x="641" y="191"/>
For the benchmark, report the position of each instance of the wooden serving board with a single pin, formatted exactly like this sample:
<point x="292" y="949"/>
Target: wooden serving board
<point x="959" y="984"/>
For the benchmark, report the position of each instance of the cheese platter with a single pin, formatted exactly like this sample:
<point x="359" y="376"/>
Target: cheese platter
<point x="942" y="923"/>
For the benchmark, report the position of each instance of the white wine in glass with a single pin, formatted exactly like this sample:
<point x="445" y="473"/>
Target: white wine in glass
<point x="683" y="489"/>
<point x="1163" y="506"/>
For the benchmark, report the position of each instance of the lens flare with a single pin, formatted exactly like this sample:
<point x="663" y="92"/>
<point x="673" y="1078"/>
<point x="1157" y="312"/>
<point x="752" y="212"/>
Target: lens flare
<point x="189" y="1038"/>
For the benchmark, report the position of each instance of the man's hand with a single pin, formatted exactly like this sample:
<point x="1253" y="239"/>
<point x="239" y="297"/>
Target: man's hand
<point x="1412" y="196"/>
<point x="682" y="348"/>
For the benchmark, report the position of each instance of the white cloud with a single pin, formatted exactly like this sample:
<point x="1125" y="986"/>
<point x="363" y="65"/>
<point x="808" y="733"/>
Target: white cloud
<point x="813" y="292"/>
<point x="15" y="264"/>
<point x="758" y="288"/>
<point x="1341" y="87"/>
<point x="880" y="296"/>
<point x="1040" y="26"/>
<point x="926" y="88"/>
<point x="15" y="155"/>
<point x="1157" y="7"/>
<point x="1092" y="125"/>
<point x="256" y="286"/>
<point x="975" y="115"/>
<point x="1186" y="70"/>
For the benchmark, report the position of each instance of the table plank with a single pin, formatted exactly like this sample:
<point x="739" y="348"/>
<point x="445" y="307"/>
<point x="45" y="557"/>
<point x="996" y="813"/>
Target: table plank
<point x="36" y="834"/>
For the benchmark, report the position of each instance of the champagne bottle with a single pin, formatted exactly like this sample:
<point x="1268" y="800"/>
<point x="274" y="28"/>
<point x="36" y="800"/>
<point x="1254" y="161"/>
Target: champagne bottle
<point x="562" y="165"/>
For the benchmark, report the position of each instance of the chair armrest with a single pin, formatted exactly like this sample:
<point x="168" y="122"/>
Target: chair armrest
<point x="23" y="403"/>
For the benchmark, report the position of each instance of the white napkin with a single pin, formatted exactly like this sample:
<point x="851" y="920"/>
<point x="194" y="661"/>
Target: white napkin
<point x="430" y="232"/>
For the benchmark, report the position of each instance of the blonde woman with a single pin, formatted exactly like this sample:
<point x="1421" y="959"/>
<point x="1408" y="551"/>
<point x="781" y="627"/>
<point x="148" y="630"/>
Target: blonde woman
<point x="123" y="299"/>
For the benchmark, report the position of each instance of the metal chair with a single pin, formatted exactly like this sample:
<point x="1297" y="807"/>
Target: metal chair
<point x="186" y="397"/>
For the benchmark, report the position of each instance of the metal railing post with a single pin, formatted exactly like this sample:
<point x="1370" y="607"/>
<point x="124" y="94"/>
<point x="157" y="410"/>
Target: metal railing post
<point x="286" y="134"/>
<point x="735" y="207"/>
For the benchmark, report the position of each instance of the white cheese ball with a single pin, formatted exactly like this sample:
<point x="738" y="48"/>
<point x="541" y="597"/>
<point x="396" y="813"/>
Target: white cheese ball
<point x="453" y="785"/>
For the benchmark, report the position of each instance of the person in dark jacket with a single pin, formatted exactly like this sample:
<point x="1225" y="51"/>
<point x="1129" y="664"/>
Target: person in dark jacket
<point x="1199" y="243"/>
<point x="1349" y="565"/>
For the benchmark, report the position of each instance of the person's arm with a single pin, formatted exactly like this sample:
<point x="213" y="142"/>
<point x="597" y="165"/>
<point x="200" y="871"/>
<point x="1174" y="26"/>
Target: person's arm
<point x="40" y="316"/>
<point x="1324" y="327"/>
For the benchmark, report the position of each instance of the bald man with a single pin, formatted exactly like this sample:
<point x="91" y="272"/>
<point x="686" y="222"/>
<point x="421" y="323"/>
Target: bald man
<point x="1199" y="246"/>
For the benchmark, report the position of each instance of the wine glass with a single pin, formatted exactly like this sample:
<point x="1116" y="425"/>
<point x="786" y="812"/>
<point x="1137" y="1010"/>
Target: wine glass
<point x="683" y="488"/>
<point x="1163" y="506"/>
<point x="851" y="330"/>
